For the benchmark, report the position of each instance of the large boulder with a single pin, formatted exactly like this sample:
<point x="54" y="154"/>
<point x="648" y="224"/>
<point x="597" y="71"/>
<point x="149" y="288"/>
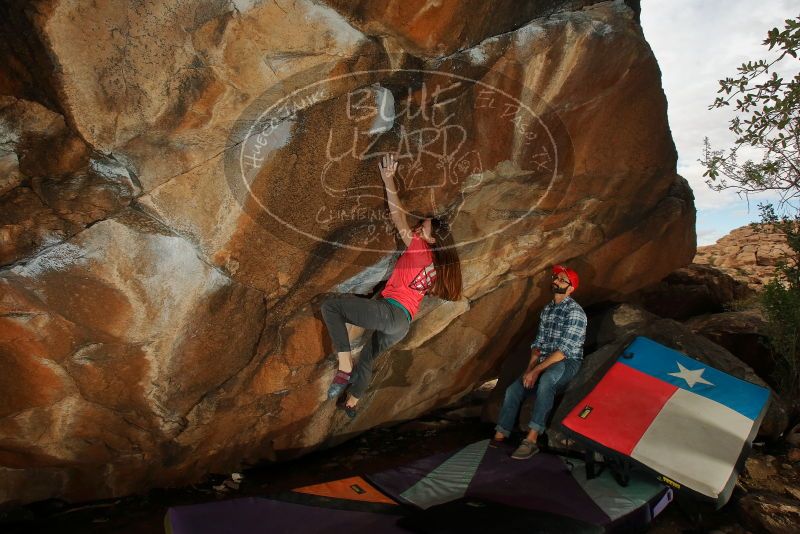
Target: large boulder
<point x="690" y="291"/>
<point x="743" y="333"/>
<point x="214" y="179"/>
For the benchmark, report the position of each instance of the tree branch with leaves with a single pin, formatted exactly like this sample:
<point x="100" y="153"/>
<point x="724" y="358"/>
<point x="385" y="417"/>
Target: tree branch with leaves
<point x="767" y="123"/>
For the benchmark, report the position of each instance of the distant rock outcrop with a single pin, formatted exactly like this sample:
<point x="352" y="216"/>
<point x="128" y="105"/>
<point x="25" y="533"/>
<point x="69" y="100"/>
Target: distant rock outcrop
<point x="748" y="254"/>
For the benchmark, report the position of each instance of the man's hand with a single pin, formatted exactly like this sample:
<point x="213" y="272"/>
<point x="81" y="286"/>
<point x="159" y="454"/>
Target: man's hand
<point x="529" y="379"/>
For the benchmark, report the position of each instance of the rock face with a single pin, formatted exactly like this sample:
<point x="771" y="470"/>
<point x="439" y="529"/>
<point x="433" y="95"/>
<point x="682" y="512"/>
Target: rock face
<point x="436" y="29"/>
<point x="772" y="500"/>
<point x="747" y="254"/>
<point x="743" y="333"/>
<point x="691" y="291"/>
<point x="770" y="513"/>
<point x="182" y="183"/>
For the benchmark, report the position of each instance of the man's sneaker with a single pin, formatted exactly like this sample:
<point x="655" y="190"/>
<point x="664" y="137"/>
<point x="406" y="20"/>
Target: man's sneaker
<point x="525" y="450"/>
<point x="498" y="443"/>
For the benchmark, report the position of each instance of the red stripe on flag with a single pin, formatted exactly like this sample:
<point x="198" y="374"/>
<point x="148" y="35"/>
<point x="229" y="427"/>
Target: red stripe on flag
<point x="623" y="404"/>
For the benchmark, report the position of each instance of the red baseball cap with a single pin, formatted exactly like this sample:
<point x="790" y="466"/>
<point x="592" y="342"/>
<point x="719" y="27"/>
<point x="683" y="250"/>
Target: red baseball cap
<point x="572" y="275"/>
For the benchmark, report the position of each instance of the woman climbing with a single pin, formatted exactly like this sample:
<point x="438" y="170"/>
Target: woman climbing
<point x="419" y="270"/>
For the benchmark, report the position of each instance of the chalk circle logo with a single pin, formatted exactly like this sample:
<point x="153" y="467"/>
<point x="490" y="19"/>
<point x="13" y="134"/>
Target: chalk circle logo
<point x="303" y="158"/>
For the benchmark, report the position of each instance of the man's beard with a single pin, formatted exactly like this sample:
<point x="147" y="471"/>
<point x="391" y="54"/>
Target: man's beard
<point x="559" y="290"/>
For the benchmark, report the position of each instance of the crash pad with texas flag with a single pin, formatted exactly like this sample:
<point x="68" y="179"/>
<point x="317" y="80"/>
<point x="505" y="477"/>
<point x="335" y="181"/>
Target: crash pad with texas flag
<point x="688" y="422"/>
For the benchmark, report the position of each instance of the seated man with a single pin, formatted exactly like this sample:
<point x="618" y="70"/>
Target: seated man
<point x="556" y="356"/>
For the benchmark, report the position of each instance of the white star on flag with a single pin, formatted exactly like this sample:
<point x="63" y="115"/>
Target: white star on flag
<point x="691" y="377"/>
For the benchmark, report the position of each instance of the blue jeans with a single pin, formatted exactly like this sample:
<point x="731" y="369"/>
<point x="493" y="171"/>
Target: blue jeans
<point x="553" y="380"/>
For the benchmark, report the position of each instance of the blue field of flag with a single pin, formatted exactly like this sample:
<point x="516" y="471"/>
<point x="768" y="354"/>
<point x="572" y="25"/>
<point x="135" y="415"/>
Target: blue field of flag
<point x="691" y="375"/>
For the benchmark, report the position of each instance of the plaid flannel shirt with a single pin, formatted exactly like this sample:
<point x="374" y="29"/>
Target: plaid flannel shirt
<point x="562" y="327"/>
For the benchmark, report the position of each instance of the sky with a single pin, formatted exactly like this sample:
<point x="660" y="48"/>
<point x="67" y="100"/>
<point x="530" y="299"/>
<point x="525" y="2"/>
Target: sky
<point x="697" y="43"/>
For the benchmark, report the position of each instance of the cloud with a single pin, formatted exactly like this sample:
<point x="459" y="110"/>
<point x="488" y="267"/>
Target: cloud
<point x="697" y="44"/>
<point x="709" y="236"/>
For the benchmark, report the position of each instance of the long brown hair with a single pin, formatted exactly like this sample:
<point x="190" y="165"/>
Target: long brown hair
<point x="447" y="284"/>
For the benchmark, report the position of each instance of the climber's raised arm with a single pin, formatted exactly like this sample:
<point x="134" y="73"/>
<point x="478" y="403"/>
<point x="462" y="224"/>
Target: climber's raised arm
<point x="388" y="167"/>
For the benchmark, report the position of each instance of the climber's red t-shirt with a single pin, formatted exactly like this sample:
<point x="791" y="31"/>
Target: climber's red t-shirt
<point x="412" y="277"/>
